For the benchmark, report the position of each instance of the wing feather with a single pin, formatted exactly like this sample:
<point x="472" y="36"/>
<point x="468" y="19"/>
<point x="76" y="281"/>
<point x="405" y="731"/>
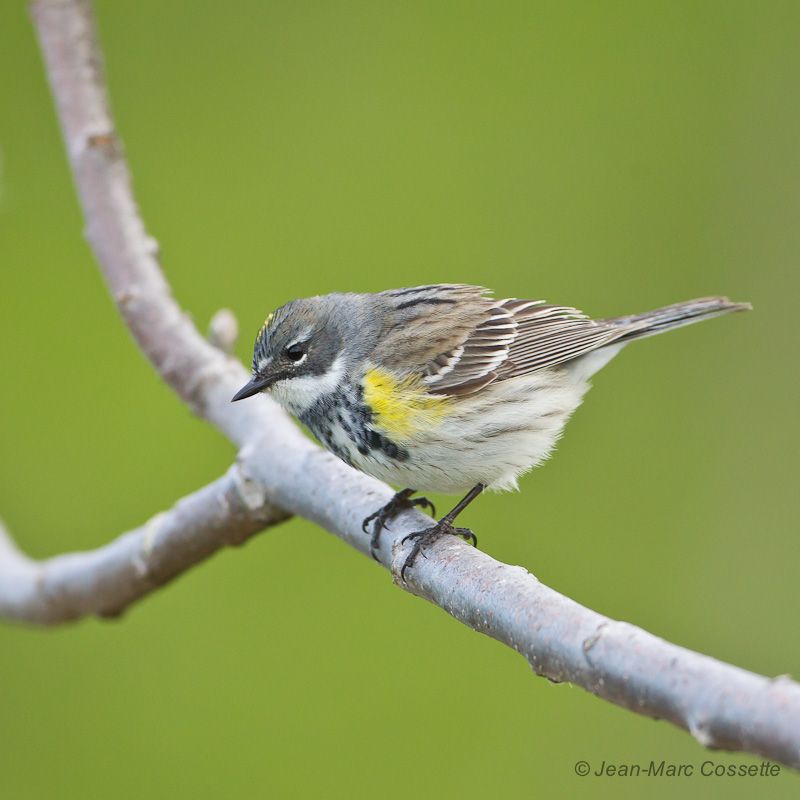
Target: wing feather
<point x="518" y="337"/>
<point x="459" y="340"/>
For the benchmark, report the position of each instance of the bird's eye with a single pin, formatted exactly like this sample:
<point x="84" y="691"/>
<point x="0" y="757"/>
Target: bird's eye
<point x="295" y="352"/>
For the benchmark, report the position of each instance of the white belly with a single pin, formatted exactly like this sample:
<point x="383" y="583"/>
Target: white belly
<point x="491" y="437"/>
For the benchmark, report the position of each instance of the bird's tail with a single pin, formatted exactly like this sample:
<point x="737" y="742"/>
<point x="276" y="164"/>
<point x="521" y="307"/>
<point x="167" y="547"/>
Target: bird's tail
<point x="676" y="316"/>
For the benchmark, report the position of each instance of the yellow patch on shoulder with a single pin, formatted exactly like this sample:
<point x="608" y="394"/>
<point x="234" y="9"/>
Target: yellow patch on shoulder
<point x="402" y="406"/>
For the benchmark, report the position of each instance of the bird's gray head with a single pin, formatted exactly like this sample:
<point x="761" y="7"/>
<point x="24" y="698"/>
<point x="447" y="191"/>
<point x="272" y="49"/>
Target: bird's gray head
<point x="299" y="351"/>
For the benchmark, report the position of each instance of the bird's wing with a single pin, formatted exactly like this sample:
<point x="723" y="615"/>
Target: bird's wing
<point x="547" y="335"/>
<point x="459" y="340"/>
<point x="427" y="327"/>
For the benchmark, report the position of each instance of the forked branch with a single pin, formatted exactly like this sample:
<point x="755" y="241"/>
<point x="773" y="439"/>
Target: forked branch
<point x="721" y="705"/>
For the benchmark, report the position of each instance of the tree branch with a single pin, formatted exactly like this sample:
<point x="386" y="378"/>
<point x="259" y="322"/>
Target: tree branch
<point x="721" y="705"/>
<point x="107" y="580"/>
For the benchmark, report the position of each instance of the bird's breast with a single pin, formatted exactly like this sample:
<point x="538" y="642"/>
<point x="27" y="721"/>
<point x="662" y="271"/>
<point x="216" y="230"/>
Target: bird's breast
<point x="400" y="407"/>
<point x="347" y="425"/>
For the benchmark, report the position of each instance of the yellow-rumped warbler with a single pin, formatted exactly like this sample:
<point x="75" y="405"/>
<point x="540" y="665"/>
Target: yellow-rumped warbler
<point x="442" y="388"/>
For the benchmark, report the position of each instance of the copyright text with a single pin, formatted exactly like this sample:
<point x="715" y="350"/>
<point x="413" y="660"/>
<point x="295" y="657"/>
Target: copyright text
<point x="674" y="769"/>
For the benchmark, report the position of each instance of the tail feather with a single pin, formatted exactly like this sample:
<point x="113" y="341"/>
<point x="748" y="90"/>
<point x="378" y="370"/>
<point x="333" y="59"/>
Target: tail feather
<point x="638" y="326"/>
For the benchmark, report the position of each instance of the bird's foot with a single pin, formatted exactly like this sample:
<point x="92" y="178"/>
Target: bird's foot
<point x="428" y="536"/>
<point x="402" y="501"/>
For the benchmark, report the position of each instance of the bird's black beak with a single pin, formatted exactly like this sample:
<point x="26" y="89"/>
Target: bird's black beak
<point x="254" y="387"/>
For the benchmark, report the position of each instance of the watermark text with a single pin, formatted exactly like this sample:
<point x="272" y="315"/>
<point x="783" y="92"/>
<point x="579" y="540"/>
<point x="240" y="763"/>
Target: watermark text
<point x="675" y="769"/>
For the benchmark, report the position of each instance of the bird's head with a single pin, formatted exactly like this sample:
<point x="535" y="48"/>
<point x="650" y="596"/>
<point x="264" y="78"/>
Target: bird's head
<point x="299" y="354"/>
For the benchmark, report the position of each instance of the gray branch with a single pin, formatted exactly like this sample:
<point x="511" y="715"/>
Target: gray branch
<point x="722" y="706"/>
<point x="106" y="581"/>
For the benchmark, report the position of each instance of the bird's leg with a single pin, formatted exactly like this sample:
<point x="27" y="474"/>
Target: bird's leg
<point x="402" y="501"/>
<point x="443" y="526"/>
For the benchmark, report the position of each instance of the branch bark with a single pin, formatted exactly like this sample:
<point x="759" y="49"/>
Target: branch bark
<point x="107" y="580"/>
<point x="720" y="705"/>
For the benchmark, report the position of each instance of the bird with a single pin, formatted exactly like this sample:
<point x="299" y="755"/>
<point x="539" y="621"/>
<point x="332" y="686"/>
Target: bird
<point x="442" y="388"/>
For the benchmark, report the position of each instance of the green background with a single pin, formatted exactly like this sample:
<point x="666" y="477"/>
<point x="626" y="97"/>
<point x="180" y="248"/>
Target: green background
<point x="616" y="156"/>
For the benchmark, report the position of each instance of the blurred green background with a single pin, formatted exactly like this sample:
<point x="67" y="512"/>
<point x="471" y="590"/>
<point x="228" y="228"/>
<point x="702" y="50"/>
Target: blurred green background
<point x="616" y="156"/>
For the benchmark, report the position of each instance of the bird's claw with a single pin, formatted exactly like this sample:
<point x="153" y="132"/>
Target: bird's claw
<point x="402" y="501"/>
<point x="430" y="535"/>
